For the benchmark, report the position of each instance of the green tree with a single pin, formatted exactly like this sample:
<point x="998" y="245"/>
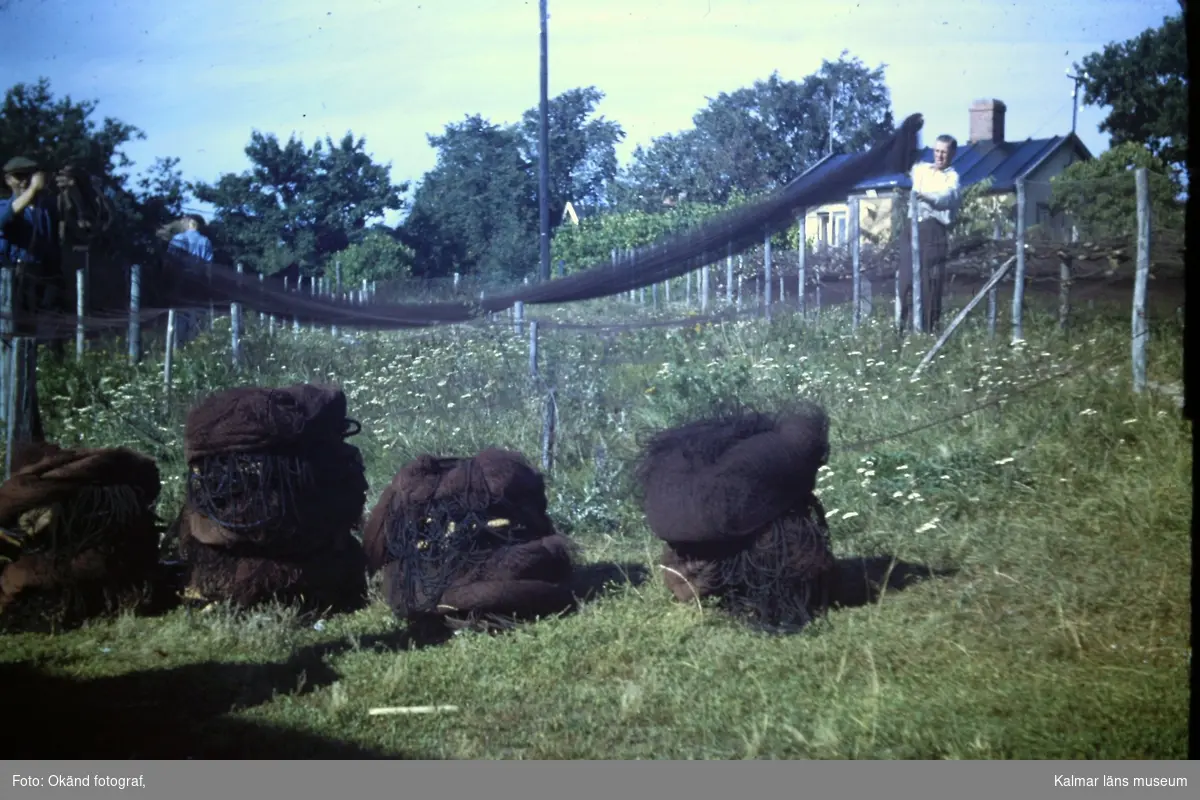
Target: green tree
<point x="298" y="204"/>
<point x="375" y="256"/>
<point x="1101" y="195"/>
<point x="475" y="212"/>
<point x="758" y="138"/>
<point x="583" y="152"/>
<point x="59" y="132"/>
<point x="1144" y="81"/>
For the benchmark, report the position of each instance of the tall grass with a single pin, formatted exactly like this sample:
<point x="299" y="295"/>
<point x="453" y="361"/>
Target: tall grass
<point x="1062" y="508"/>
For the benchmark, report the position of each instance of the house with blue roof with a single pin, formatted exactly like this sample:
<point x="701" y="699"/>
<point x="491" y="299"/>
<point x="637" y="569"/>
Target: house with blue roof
<point x="985" y="154"/>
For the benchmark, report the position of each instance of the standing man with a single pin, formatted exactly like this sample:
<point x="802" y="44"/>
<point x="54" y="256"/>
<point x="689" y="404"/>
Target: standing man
<point x="939" y="197"/>
<point x="28" y="236"/>
<point x="198" y="246"/>
<point x="29" y="245"/>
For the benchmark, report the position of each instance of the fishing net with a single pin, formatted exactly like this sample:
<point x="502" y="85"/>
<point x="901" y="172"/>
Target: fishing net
<point x="273" y="492"/>
<point x="732" y="498"/>
<point x="331" y="579"/>
<point x="83" y="535"/>
<point x="467" y="542"/>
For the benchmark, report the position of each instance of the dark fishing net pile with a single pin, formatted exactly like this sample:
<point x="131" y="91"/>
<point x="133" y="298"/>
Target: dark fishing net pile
<point x="82" y="535"/>
<point x="274" y="495"/>
<point x="466" y="542"/>
<point x="733" y="500"/>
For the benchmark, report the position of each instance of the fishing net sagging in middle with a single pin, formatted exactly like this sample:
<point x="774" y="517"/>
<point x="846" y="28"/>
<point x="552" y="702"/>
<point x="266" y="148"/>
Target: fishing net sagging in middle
<point x="733" y="499"/>
<point x="463" y="540"/>
<point x="274" y="494"/>
<point x="84" y="532"/>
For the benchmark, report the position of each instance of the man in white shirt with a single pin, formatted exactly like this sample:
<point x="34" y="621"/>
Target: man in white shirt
<point x="939" y="197"/>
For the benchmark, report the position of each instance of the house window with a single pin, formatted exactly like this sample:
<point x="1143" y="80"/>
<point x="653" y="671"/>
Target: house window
<point x="839" y="222"/>
<point x="1043" y="213"/>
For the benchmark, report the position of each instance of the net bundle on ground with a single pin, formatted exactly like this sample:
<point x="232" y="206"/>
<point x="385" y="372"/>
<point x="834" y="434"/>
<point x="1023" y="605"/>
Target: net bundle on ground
<point x="733" y="499"/>
<point x="82" y="535"/>
<point x="467" y="542"/>
<point x="274" y="495"/>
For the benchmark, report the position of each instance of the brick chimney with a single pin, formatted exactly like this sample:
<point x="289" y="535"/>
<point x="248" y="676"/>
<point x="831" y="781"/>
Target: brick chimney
<point x="987" y="121"/>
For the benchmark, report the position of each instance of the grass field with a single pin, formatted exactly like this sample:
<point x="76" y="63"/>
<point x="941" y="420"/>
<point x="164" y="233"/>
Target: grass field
<point x="1062" y="510"/>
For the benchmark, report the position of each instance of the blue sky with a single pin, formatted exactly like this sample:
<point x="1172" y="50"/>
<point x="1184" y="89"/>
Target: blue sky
<point x="198" y="77"/>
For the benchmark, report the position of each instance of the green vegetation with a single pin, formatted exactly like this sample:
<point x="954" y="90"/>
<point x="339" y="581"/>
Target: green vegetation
<point x="1064" y="511"/>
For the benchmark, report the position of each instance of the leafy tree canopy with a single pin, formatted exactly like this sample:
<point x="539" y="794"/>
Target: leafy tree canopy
<point x="1144" y="81"/>
<point x="298" y="204"/>
<point x="1101" y="195"/>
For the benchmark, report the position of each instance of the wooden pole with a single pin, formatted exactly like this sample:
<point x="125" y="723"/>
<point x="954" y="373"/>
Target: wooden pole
<point x="1140" y="326"/>
<point x="549" y="426"/>
<point x="962" y="315"/>
<point x="767" y="288"/>
<point x="7" y="327"/>
<point x="235" y="325"/>
<point x="1018" y="330"/>
<point x="855" y="266"/>
<point x="802" y="250"/>
<point x="135" y="309"/>
<point x="169" y="349"/>
<point x="80" y="309"/>
<point x="21" y="397"/>
<point x="1064" y="292"/>
<point x="918" y="321"/>
<point x="729" y="275"/>
<point x="533" y="348"/>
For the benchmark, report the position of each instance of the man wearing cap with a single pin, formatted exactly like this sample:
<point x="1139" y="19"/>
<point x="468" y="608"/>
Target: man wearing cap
<point x="27" y="234"/>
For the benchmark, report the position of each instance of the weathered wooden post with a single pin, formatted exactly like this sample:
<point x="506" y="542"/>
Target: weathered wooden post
<point x="705" y="286"/>
<point x="80" y="310"/>
<point x="22" y="383"/>
<point x="169" y="350"/>
<point x="235" y="324"/>
<point x="337" y="291"/>
<point x="767" y="276"/>
<point x="918" y="321"/>
<point x="135" y="313"/>
<point x="1019" y="278"/>
<point x="729" y="275"/>
<point x="1140" y="327"/>
<point x="533" y="348"/>
<point x="7" y="327"/>
<point x="855" y="266"/>
<point x="549" y="425"/>
<point x="993" y="295"/>
<point x="802" y="258"/>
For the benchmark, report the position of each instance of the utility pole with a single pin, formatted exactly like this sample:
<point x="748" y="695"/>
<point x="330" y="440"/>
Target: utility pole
<point x="829" y="150"/>
<point x="1077" y="79"/>
<point x="544" y="150"/>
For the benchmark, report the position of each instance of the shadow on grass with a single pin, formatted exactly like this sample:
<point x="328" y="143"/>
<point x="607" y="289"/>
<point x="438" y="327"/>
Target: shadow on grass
<point x="593" y="581"/>
<point x="177" y="712"/>
<point x="588" y="582"/>
<point x="862" y="580"/>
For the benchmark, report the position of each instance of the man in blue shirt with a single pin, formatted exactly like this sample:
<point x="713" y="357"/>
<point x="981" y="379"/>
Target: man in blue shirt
<point x="198" y="246"/>
<point x="28" y="240"/>
<point x="191" y="240"/>
<point x="29" y="246"/>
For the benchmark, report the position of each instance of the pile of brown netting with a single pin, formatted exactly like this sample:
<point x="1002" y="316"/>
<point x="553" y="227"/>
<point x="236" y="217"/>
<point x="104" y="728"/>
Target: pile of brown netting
<point x="85" y="532"/>
<point x="466" y="542"/>
<point x="733" y="499"/>
<point x="274" y="495"/>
